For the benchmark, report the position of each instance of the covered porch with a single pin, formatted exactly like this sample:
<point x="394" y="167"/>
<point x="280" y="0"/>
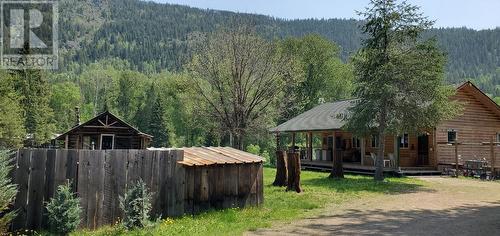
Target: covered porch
<point x="317" y="136"/>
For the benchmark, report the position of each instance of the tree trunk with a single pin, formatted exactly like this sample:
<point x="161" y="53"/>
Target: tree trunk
<point x="293" y="164"/>
<point x="337" y="169"/>
<point x="281" y="170"/>
<point x="379" y="161"/>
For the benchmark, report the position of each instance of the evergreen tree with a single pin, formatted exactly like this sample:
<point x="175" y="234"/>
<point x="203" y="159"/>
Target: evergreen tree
<point x="399" y="78"/>
<point x="157" y="125"/>
<point x="63" y="211"/>
<point x="136" y="205"/>
<point x="12" y="132"/>
<point x="8" y="191"/>
<point x="34" y="89"/>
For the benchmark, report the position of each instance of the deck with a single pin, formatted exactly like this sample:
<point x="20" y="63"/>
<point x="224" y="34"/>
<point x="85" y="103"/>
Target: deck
<point x="357" y="168"/>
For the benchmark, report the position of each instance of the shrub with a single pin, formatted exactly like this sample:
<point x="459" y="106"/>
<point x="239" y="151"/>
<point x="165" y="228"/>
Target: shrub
<point x="136" y="205"/>
<point x="254" y="149"/>
<point x="8" y="191"/>
<point x="270" y="159"/>
<point x="64" y="211"/>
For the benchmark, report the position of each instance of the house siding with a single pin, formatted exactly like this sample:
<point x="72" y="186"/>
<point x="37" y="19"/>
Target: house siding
<point x="477" y="123"/>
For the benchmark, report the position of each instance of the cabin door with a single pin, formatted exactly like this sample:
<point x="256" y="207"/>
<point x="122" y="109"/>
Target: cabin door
<point x="423" y="150"/>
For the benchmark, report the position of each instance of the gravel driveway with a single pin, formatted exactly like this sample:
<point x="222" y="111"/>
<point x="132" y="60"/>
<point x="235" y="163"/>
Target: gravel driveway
<point x="447" y="206"/>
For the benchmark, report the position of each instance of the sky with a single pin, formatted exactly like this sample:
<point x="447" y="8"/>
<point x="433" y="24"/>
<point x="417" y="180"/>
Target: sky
<point x="476" y="14"/>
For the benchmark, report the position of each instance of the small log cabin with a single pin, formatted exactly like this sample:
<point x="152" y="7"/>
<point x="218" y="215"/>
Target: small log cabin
<point x="105" y="131"/>
<point x="477" y="131"/>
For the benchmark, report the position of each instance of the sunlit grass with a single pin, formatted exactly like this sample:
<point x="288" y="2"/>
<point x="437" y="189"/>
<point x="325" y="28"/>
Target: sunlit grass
<point x="279" y="206"/>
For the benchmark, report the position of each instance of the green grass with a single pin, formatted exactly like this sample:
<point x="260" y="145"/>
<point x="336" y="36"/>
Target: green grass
<point x="279" y="206"/>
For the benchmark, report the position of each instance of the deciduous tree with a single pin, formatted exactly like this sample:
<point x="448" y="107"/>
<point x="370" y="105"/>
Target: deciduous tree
<point x="240" y="76"/>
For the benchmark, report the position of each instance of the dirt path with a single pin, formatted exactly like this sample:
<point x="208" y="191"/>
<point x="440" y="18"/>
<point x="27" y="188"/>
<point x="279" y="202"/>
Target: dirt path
<point x="447" y="207"/>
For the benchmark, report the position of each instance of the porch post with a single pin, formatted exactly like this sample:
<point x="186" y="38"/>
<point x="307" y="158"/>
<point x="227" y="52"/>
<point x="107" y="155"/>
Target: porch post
<point x="396" y="152"/>
<point x="334" y="148"/>
<point x="363" y="151"/>
<point x="309" y="148"/>
<point x="278" y="143"/>
<point x="293" y="142"/>
<point x="66" y="142"/>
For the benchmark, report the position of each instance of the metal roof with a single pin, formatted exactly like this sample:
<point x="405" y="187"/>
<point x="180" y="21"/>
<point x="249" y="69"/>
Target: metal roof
<point x="202" y="156"/>
<point x="326" y="116"/>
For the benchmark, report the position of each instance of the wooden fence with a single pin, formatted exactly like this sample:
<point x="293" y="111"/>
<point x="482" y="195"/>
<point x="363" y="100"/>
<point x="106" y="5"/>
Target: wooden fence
<point x="99" y="177"/>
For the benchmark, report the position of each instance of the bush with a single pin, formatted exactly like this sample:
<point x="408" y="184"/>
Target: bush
<point x="64" y="211"/>
<point x="254" y="149"/>
<point x="136" y="205"/>
<point x="8" y="191"/>
<point x="270" y="159"/>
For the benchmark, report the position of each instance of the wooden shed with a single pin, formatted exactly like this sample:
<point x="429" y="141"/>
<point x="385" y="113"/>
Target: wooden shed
<point x="105" y="131"/>
<point x="222" y="177"/>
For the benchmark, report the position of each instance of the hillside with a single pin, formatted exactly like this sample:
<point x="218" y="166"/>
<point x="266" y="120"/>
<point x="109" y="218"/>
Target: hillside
<point x="155" y="37"/>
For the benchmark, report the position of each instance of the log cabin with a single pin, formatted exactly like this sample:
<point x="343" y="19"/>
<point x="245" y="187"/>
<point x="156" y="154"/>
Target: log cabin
<point x="472" y="135"/>
<point x="105" y="131"/>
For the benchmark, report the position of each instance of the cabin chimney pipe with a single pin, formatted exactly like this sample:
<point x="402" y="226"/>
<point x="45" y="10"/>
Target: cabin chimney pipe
<point x="77" y="113"/>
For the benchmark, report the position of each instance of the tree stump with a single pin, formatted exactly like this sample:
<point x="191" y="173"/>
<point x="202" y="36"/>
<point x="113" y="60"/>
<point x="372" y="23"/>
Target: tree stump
<point x="293" y="164"/>
<point x="337" y="168"/>
<point x="281" y="170"/>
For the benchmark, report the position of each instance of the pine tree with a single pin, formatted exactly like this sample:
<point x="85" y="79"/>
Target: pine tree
<point x="157" y="125"/>
<point x="34" y="89"/>
<point x="399" y="77"/>
<point x="64" y="211"/>
<point x="12" y="132"/>
<point x="8" y="191"/>
<point x="136" y="205"/>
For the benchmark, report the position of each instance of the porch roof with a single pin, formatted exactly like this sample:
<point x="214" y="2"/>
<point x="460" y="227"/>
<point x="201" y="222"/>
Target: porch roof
<point x="326" y="116"/>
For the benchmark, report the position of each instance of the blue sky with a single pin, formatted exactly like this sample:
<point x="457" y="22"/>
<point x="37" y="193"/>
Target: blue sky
<point x="476" y="14"/>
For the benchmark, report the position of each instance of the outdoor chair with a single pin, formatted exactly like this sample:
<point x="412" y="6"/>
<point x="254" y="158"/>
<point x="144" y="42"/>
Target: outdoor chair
<point x="374" y="157"/>
<point x="392" y="160"/>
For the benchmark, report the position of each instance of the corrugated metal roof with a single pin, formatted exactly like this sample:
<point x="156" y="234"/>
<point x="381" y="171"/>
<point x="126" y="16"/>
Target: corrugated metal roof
<point x="327" y="116"/>
<point x="201" y="156"/>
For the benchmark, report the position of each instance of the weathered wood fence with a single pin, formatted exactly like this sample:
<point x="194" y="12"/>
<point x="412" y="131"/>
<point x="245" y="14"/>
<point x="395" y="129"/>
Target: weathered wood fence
<point x="99" y="177"/>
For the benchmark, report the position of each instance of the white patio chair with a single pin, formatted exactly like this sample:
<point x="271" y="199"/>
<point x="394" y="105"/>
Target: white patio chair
<point x="392" y="159"/>
<point x="374" y="157"/>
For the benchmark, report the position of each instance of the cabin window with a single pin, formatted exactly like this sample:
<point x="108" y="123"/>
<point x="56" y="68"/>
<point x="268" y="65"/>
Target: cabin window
<point x="356" y="143"/>
<point x="498" y="137"/>
<point x="89" y="142"/>
<point x="452" y="135"/>
<point x="375" y="141"/>
<point x="404" y="141"/>
<point x="107" y="141"/>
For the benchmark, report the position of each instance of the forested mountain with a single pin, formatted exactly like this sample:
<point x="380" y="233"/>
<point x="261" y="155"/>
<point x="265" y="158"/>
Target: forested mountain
<point x="156" y="36"/>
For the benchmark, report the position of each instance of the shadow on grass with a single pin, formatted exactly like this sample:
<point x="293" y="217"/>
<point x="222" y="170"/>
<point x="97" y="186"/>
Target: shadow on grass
<point x="353" y="183"/>
<point x="467" y="219"/>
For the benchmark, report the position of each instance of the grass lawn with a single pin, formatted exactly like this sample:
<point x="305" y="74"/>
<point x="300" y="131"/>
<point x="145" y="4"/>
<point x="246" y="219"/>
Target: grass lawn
<point x="279" y="206"/>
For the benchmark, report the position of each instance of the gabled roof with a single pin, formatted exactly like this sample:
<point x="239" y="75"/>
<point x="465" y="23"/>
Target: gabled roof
<point x="481" y="96"/>
<point x="326" y="116"/>
<point x="102" y="119"/>
<point x="329" y="116"/>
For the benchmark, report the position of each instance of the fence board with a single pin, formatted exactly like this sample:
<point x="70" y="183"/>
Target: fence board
<point x="36" y="187"/>
<point x="22" y="180"/>
<point x="178" y="184"/>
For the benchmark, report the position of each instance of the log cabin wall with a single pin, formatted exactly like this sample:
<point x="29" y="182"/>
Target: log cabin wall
<point x="479" y="122"/>
<point x="89" y="134"/>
